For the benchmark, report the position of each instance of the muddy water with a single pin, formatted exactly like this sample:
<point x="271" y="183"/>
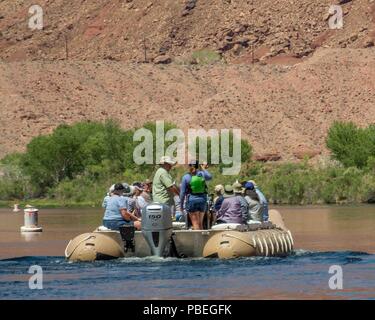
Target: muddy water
<point x="324" y="236"/>
<point x="313" y="228"/>
<point x="332" y="228"/>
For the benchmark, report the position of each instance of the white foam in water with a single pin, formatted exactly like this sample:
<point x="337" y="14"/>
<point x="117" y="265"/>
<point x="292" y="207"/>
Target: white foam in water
<point x="146" y="259"/>
<point x="152" y="259"/>
<point x="302" y="252"/>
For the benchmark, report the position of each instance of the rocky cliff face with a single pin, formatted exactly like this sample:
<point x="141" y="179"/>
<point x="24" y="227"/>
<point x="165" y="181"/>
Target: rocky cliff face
<point x="122" y="29"/>
<point x="283" y="79"/>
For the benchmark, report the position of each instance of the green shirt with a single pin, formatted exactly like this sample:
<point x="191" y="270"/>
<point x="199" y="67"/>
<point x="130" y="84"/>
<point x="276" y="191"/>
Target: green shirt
<point x="162" y="181"/>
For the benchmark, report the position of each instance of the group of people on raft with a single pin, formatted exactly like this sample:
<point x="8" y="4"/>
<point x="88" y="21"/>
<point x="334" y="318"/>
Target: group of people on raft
<point x="240" y="203"/>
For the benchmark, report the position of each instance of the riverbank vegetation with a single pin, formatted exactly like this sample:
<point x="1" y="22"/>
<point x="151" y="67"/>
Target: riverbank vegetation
<point x="75" y="165"/>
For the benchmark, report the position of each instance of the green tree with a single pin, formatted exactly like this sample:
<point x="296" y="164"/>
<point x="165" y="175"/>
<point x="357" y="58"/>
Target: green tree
<point x="350" y="145"/>
<point x="70" y="150"/>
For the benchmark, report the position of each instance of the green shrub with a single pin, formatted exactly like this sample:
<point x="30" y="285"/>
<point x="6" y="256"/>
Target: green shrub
<point x="350" y="145"/>
<point x="206" y="56"/>
<point x="301" y="184"/>
<point x="371" y="164"/>
<point x="367" y="188"/>
<point x="77" y="191"/>
<point x="76" y="165"/>
<point x="13" y="184"/>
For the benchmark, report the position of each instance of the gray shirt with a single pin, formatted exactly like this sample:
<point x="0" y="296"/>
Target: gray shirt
<point x="244" y="207"/>
<point x="255" y="209"/>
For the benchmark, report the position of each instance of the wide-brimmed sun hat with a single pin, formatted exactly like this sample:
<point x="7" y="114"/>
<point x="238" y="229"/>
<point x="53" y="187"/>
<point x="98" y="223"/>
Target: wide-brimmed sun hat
<point x="228" y="190"/>
<point x="237" y="187"/>
<point x="167" y="159"/>
<point x="147" y="181"/>
<point x="219" y="188"/>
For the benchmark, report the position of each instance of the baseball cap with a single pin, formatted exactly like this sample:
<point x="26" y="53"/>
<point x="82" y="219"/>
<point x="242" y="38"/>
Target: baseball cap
<point x="249" y="186"/>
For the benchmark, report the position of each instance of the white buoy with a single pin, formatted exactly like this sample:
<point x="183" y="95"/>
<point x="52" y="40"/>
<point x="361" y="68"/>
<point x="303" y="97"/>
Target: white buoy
<point x="16" y="208"/>
<point x="31" y="220"/>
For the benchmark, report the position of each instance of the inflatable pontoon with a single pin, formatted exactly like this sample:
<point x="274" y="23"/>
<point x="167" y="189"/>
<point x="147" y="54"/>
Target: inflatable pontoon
<point x="163" y="238"/>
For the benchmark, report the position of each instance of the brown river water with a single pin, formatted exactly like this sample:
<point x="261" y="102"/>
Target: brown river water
<point x="330" y="228"/>
<point x="324" y="236"/>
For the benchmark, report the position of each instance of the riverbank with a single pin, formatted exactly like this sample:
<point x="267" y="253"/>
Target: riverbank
<point x="47" y="204"/>
<point x="283" y="184"/>
<point x="54" y="204"/>
<point x="46" y="177"/>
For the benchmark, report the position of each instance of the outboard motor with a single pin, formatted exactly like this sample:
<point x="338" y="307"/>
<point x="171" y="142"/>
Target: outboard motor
<point x="157" y="227"/>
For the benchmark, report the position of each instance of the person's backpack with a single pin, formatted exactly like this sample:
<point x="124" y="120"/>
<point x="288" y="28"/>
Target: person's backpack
<point x="197" y="184"/>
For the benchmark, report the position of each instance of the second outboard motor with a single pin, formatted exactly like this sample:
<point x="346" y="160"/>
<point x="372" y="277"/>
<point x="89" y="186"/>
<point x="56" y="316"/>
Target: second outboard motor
<point x="157" y="227"/>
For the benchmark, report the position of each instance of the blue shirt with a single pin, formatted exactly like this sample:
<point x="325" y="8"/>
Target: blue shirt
<point x="186" y="181"/>
<point x="264" y="203"/>
<point x="218" y="203"/>
<point x="105" y="201"/>
<point x="113" y="207"/>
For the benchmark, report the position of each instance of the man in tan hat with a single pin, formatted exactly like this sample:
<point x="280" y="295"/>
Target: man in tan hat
<point x="219" y="197"/>
<point x="237" y="188"/>
<point x="231" y="210"/>
<point x="238" y="192"/>
<point x="163" y="186"/>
